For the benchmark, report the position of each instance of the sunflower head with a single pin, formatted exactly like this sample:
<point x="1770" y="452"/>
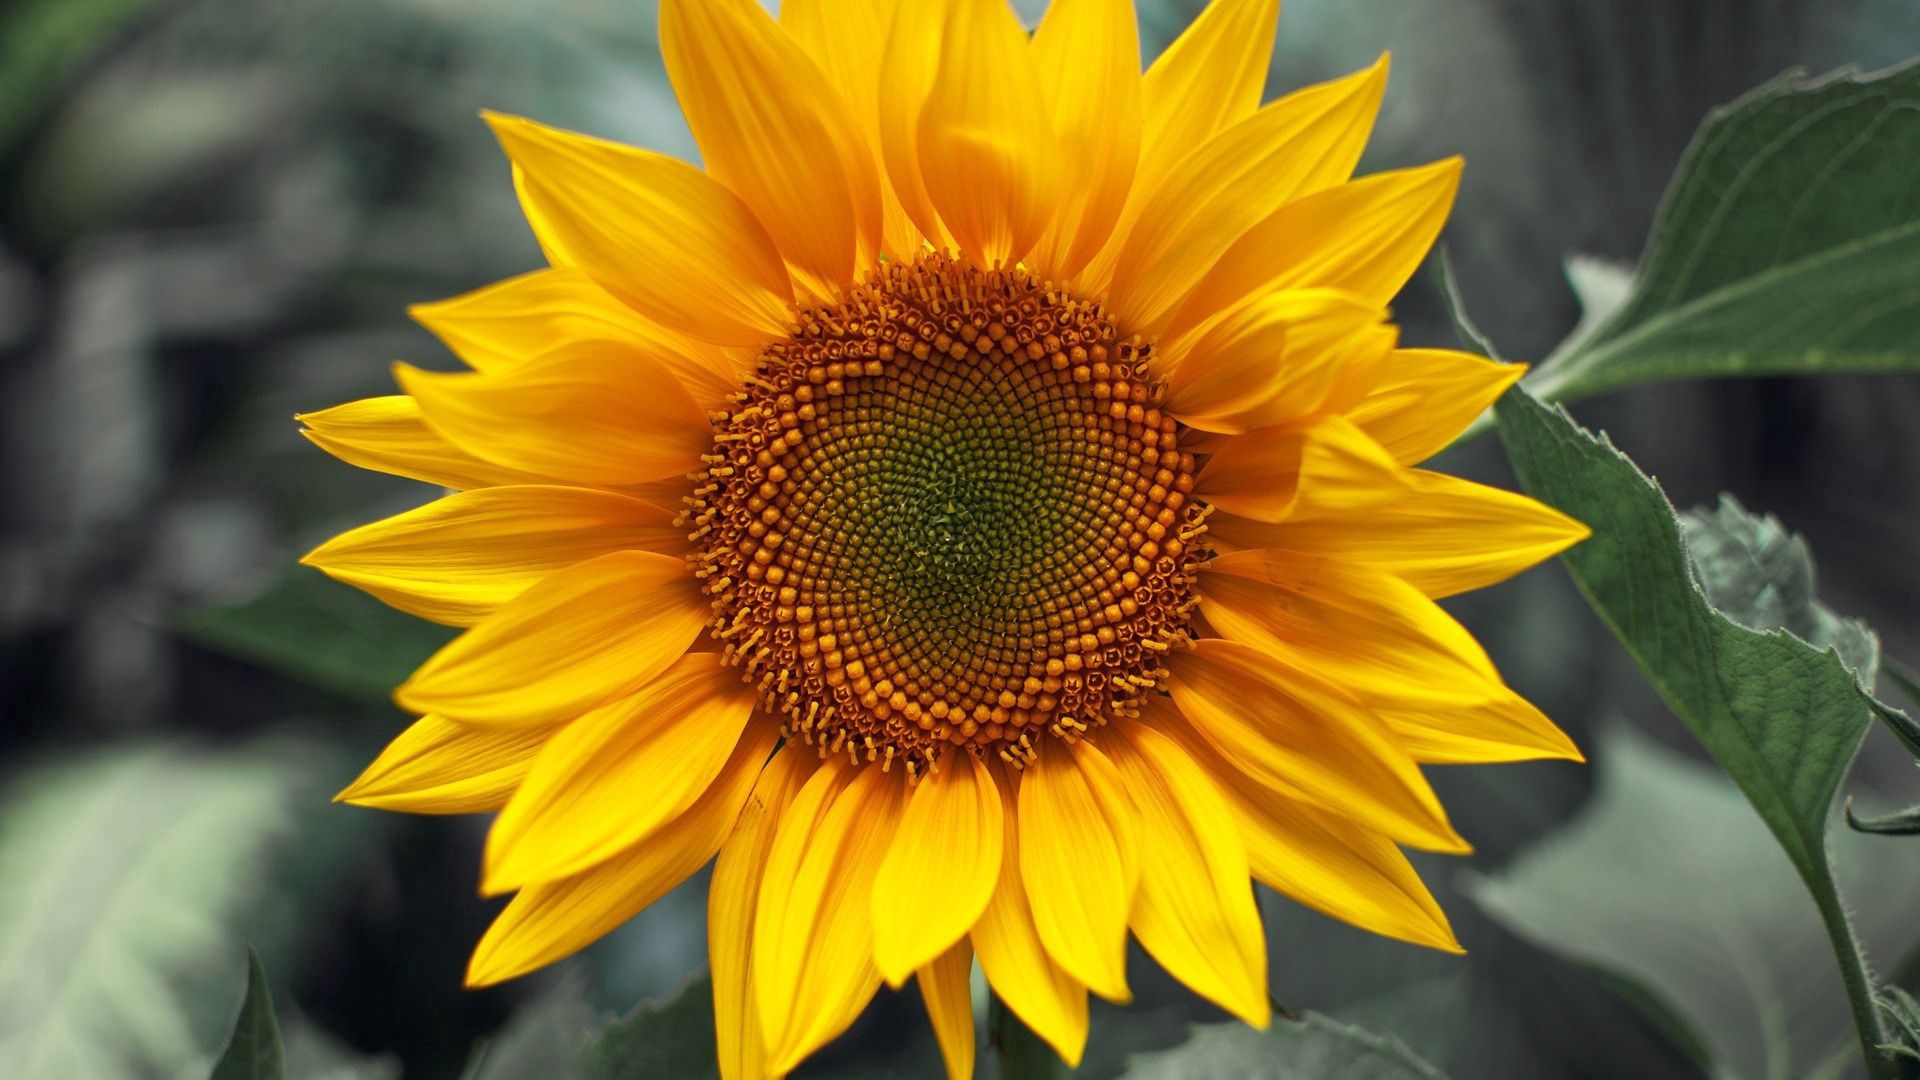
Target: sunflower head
<point x="948" y="514"/>
<point x="980" y="507"/>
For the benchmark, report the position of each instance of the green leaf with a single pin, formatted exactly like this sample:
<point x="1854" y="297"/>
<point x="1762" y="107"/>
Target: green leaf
<point x="1787" y="244"/>
<point x="1447" y="284"/>
<point x="1903" y="726"/>
<point x="1761" y="576"/>
<point x="1313" y="1047"/>
<point x="1903" y="823"/>
<point x="317" y="631"/>
<point x="1903" y="1013"/>
<point x="254" y="1051"/>
<point x="1782" y="718"/>
<point x="125" y="876"/>
<point x="669" y="1038"/>
<point x="1668" y="882"/>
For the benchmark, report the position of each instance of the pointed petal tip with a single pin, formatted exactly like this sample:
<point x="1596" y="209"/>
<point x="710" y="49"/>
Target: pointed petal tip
<point x="501" y="121"/>
<point x="499" y="874"/>
<point x="1260" y="1016"/>
<point x="1451" y="843"/>
<point x="484" y="971"/>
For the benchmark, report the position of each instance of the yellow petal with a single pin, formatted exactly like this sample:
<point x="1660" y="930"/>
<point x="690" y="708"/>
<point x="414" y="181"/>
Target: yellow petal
<point x="1307" y="739"/>
<point x="1290" y="474"/>
<point x="1424" y="398"/>
<point x="596" y="413"/>
<point x="944" y="987"/>
<point x="1385" y="643"/>
<point x="555" y="919"/>
<point x="1080" y="862"/>
<point x="1445" y="536"/>
<point x="1087" y="56"/>
<point x="1320" y="859"/>
<point x="439" y="767"/>
<point x="848" y="40"/>
<point x="655" y="232"/>
<point x="772" y="131"/>
<point x="540" y="224"/>
<point x="813" y="932"/>
<point x="1302" y="143"/>
<point x="581" y="638"/>
<point x="510" y="322"/>
<point x="1210" y="78"/>
<point x="941" y="868"/>
<point x="457" y="559"/>
<point x="988" y="156"/>
<point x="1366" y="237"/>
<point x="908" y="69"/>
<point x="1028" y="979"/>
<point x="1280" y="358"/>
<point x="1195" y="911"/>
<point x="606" y="781"/>
<point x="388" y="434"/>
<point x="731" y="898"/>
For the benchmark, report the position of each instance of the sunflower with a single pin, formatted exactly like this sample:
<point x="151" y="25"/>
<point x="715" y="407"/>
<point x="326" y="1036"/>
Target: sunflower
<point x="980" y="508"/>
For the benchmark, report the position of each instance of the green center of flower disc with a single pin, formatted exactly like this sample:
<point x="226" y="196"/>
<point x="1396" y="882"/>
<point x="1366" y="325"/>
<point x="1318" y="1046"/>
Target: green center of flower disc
<point x="948" y="512"/>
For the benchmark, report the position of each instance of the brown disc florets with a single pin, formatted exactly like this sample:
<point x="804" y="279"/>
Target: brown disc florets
<point x="947" y="512"/>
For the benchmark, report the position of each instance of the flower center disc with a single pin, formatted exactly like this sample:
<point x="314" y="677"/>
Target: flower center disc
<point x="947" y="512"/>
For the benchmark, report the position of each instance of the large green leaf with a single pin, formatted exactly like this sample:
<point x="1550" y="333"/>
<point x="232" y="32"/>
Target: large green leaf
<point x="1783" y="718"/>
<point x="254" y="1050"/>
<point x="1313" y="1047"/>
<point x="1788" y="243"/>
<point x="126" y="878"/>
<point x="1668" y="881"/>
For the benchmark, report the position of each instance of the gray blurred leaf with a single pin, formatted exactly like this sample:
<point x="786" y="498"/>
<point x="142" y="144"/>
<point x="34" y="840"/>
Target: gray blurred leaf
<point x="312" y="1054"/>
<point x="1313" y="1047"/>
<point x="42" y="43"/>
<point x="1668" y="881"/>
<point x="659" y="1038"/>
<point x="1761" y="576"/>
<point x="544" y="1038"/>
<point x="1601" y="287"/>
<point x="1788" y="243"/>
<point x="125" y="141"/>
<point x="310" y="628"/>
<point x="126" y="877"/>
<point x="254" y="1050"/>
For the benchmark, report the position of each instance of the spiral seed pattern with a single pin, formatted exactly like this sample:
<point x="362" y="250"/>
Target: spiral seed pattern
<point x="948" y="513"/>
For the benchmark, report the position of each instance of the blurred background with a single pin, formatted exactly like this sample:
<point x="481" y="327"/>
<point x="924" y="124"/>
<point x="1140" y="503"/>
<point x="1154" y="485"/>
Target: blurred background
<point x="213" y="214"/>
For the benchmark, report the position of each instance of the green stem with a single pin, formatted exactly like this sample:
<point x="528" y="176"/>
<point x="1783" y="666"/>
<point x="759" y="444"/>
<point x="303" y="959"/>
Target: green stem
<point x="1022" y="1054"/>
<point x="1853" y="972"/>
